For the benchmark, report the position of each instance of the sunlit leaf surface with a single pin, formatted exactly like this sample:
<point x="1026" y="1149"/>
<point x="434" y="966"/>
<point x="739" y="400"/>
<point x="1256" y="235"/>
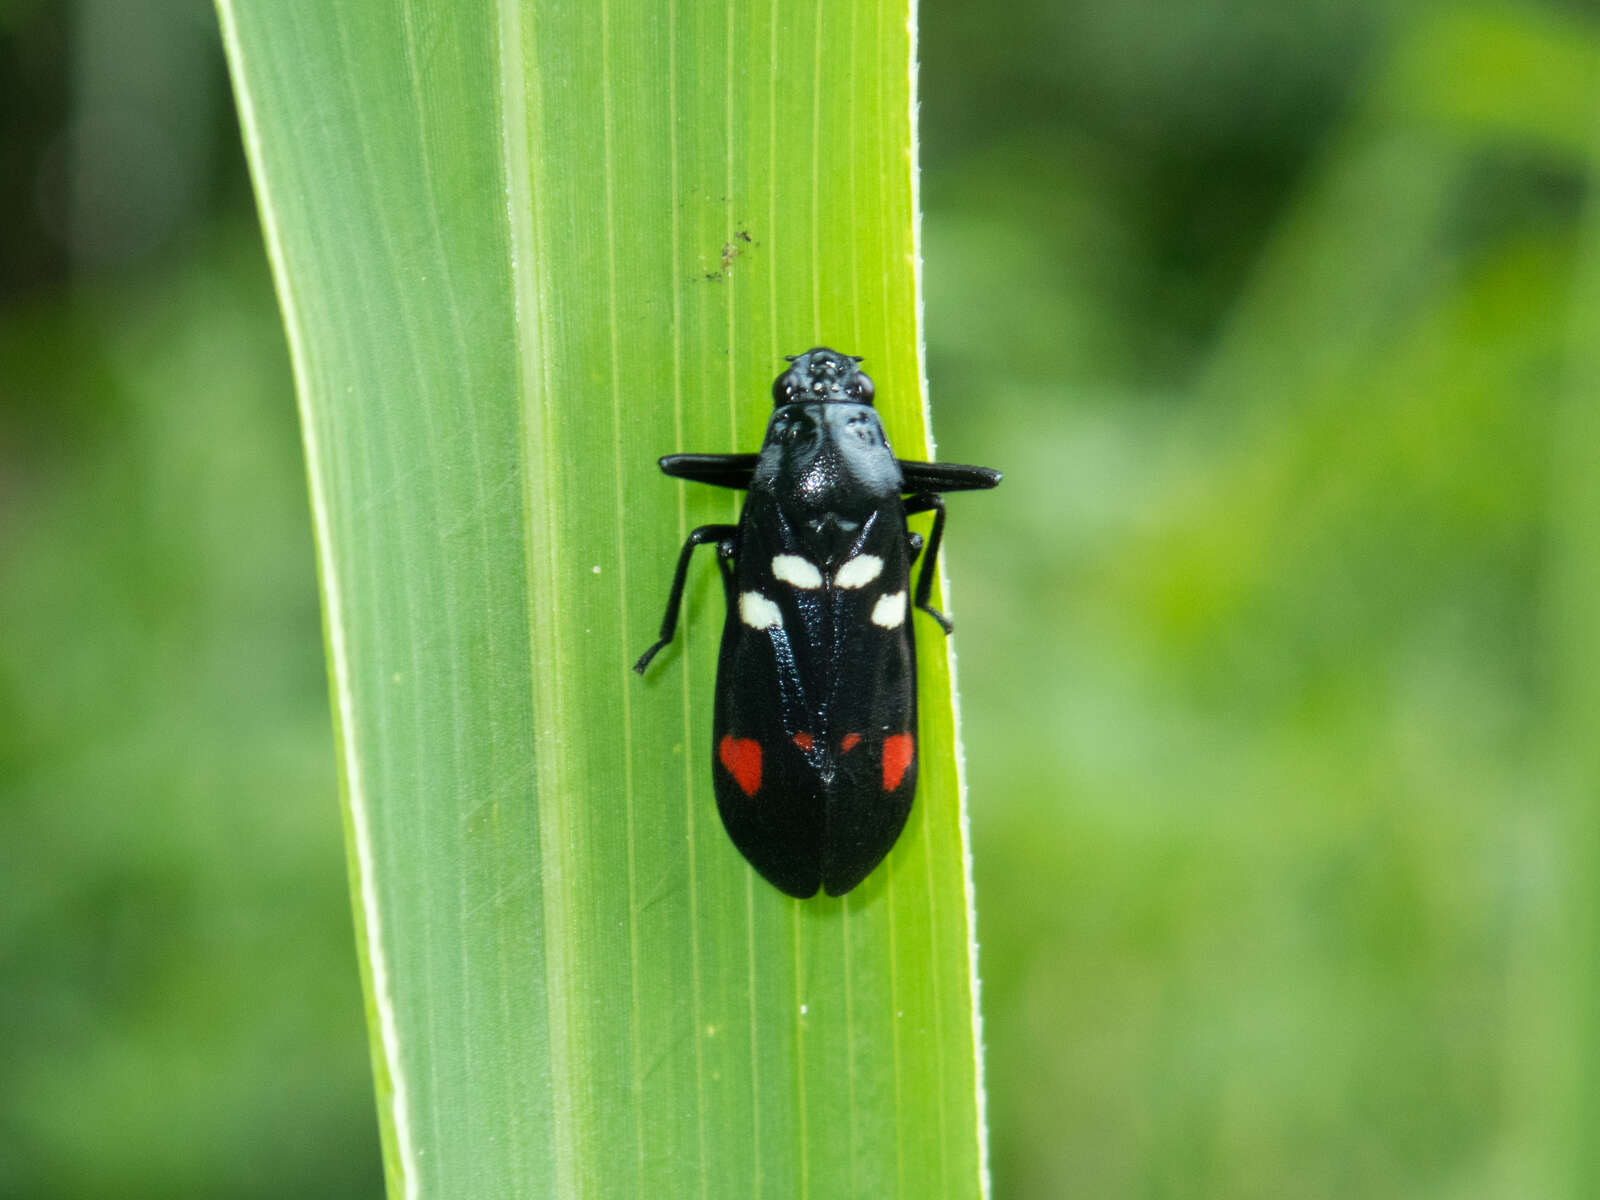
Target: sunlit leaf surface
<point x="522" y="250"/>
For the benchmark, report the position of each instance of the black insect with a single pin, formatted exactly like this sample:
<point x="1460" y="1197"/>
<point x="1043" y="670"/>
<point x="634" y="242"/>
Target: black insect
<point x="814" y="752"/>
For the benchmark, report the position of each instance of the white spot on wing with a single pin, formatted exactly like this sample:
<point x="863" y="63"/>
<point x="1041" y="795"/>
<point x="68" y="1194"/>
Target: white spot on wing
<point x="756" y="611"/>
<point x="791" y="568"/>
<point x="859" y="571"/>
<point x="889" y="611"/>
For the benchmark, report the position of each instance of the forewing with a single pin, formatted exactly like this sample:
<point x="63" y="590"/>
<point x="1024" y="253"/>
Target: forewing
<point x="868" y="740"/>
<point x="766" y="791"/>
<point x="814" y="751"/>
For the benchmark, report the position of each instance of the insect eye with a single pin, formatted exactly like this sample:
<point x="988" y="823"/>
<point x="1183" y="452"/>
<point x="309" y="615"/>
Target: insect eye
<point x="864" y="389"/>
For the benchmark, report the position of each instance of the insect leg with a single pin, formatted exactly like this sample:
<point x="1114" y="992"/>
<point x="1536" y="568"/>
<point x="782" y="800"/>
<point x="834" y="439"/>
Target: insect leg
<point x="934" y="503"/>
<point x="921" y="477"/>
<point x="669" y="622"/>
<point x="721" y="470"/>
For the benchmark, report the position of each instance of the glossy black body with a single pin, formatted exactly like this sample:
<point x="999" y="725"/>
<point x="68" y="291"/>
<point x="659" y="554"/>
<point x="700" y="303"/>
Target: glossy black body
<point x="814" y="731"/>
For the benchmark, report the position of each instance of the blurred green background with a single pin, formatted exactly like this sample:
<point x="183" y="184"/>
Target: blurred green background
<point x="1278" y="647"/>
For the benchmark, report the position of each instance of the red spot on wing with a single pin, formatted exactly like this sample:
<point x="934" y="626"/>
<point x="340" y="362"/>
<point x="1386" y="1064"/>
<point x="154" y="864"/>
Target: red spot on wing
<point x="742" y="759"/>
<point x="850" y="742"/>
<point x="803" y="740"/>
<point x="897" y="751"/>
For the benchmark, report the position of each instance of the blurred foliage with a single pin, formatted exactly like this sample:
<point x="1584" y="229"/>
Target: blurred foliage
<point x="1272" y="644"/>
<point x="177" y="980"/>
<point x="1257" y="684"/>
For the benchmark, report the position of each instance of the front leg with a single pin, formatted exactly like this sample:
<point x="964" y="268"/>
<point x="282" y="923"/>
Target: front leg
<point x="726" y="536"/>
<point x="920" y="477"/>
<point x="719" y="470"/>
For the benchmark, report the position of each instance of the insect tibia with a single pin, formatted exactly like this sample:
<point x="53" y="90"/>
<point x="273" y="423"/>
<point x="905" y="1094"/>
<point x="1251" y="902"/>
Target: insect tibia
<point x="944" y="622"/>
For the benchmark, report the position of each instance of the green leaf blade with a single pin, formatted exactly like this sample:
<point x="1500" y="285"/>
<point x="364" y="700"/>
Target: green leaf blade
<point x="523" y="251"/>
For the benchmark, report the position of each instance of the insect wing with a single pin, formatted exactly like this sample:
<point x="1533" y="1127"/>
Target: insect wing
<point x="814" y="753"/>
